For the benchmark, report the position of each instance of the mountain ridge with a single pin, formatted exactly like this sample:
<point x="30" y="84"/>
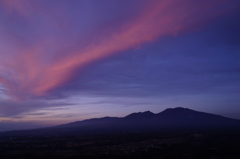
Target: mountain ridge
<point x="171" y="119"/>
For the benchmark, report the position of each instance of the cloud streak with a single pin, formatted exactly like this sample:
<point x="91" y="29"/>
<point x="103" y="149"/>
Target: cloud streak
<point x="32" y="72"/>
<point x="13" y="109"/>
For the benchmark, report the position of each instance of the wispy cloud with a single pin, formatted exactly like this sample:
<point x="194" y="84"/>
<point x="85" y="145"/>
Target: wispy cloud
<point x="15" y="109"/>
<point x="34" y="71"/>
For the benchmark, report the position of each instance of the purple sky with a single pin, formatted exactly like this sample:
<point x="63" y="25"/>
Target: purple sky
<point x="68" y="60"/>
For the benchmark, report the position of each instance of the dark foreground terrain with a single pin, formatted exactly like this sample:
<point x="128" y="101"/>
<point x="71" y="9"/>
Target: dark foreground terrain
<point x="207" y="145"/>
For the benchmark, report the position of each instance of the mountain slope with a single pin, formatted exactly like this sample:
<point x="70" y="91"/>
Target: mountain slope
<point x="183" y="117"/>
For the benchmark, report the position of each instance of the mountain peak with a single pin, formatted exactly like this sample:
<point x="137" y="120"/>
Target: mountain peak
<point x="140" y="115"/>
<point x="179" y="112"/>
<point x="177" y="109"/>
<point x="147" y="112"/>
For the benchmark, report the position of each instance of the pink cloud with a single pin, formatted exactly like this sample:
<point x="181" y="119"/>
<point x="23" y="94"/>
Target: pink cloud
<point x="29" y="75"/>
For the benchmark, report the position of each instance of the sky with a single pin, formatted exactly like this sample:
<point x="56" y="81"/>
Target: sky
<point x="67" y="60"/>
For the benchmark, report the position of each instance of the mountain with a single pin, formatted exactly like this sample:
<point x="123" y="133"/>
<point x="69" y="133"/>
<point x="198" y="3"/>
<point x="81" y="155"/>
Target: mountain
<point x="140" y="116"/>
<point x="171" y="119"/>
<point x="184" y="117"/>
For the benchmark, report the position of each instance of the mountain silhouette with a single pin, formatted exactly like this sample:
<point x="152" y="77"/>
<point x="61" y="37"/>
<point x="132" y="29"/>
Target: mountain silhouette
<point x="140" y="116"/>
<point x="171" y="119"/>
